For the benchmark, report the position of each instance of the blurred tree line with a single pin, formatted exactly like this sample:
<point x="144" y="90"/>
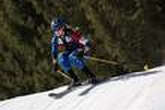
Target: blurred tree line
<point x="130" y="33"/>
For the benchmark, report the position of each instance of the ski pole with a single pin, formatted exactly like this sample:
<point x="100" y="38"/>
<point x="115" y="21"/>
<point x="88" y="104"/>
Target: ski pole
<point x="100" y="60"/>
<point x="62" y="73"/>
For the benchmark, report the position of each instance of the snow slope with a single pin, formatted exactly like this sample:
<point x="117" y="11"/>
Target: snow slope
<point x="135" y="91"/>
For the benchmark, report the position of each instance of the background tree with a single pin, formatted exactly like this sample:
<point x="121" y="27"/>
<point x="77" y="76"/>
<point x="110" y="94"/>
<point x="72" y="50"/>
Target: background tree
<point x="130" y="33"/>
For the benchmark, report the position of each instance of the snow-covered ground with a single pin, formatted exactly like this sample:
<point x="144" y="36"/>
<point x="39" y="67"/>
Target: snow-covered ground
<point x="135" y="91"/>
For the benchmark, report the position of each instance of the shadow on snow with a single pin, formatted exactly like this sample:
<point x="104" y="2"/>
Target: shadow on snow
<point x="116" y="78"/>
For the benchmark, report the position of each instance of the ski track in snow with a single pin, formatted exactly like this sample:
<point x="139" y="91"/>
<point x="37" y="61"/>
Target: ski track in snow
<point x="134" y="91"/>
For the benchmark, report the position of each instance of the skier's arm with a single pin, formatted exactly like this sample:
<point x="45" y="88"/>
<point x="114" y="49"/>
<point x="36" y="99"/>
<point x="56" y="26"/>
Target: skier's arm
<point x="86" y="45"/>
<point x="54" y="54"/>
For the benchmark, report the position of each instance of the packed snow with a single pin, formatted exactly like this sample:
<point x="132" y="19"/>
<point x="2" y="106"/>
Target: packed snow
<point x="134" y="91"/>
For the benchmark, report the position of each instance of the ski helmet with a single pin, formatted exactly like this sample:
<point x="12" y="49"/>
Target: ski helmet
<point x="57" y="23"/>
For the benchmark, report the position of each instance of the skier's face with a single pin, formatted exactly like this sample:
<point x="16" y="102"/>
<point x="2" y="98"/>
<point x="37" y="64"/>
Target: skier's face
<point x="60" y="32"/>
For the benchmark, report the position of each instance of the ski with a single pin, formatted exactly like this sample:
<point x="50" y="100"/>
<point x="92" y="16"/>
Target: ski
<point x="69" y="90"/>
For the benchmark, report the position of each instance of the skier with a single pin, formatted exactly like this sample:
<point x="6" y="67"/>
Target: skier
<point x="68" y="47"/>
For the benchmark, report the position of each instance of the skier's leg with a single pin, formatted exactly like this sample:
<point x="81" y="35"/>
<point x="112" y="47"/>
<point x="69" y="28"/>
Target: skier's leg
<point x="63" y="62"/>
<point x="75" y="79"/>
<point x="80" y="64"/>
<point x="73" y="76"/>
<point x="66" y="67"/>
<point x="76" y="61"/>
<point x="88" y="72"/>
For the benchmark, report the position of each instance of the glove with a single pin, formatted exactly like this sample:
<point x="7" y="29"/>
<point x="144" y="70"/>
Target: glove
<point x="87" y="51"/>
<point x="55" y="66"/>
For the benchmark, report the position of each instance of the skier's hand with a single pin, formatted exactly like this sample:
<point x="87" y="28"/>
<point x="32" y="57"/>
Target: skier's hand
<point x="87" y="51"/>
<point x="54" y="61"/>
<point x="55" y="66"/>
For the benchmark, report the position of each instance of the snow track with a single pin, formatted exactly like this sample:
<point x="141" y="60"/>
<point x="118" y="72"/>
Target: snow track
<point x="135" y="91"/>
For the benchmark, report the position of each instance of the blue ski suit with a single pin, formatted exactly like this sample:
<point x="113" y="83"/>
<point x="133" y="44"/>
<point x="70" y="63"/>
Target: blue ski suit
<point x="65" y="51"/>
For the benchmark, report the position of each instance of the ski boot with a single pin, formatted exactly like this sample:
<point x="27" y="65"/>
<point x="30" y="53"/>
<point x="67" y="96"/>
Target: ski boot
<point x="75" y="80"/>
<point x="90" y="75"/>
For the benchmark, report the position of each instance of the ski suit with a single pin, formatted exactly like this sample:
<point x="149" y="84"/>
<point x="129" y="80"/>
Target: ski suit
<point x="65" y="50"/>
